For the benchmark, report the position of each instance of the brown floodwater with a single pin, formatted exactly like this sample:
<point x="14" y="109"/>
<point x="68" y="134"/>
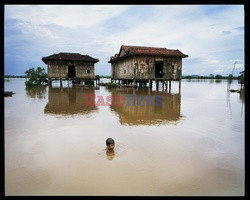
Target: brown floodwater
<point x="188" y="142"/>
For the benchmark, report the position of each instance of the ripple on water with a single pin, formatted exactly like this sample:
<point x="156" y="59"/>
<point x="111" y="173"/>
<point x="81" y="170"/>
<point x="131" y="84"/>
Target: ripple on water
<point x="120" y="150"/>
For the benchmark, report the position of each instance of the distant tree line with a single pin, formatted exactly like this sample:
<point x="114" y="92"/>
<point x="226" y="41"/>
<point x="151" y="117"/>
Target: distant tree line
<point x="211" y="76"/>
<point x="25" y="76"/>
<point x="103" y="76"/>
<point x="14" y="76"/>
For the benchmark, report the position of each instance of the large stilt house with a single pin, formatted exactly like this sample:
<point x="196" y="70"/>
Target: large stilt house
<point x="146" y="64"/>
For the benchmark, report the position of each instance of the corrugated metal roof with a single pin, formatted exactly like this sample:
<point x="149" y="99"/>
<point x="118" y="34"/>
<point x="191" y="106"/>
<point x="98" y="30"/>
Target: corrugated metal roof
<point x="69" y="57"/>
<point x="149" y="51"/>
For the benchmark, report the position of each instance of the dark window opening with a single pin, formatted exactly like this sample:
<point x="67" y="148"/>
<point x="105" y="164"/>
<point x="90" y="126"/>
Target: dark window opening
<point x="158" y="69"/>
<point x="172" y="69"/>
<point x="124" y="71"/>
<point x="88" y="71"/>
<point x="71" y="72"/>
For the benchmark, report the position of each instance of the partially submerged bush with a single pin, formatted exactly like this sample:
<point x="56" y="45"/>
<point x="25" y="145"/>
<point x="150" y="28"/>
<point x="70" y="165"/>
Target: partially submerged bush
<point x="111" y="85"/>
<point x="37" y="77"/>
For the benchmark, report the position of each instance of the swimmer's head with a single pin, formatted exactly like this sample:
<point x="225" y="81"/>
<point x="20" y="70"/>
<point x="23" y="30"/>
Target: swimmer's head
<point x="110" y="143"/>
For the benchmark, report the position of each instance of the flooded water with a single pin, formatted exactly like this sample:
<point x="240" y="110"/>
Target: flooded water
<point x="187" y="143"/>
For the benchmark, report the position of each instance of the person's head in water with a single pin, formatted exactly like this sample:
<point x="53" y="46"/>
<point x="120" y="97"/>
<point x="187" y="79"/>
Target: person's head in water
<point x="110" y="143"/>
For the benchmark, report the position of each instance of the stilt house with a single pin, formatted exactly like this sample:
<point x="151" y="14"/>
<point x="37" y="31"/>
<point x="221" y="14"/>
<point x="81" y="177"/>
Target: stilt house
<point x="73" y="66"/>
<point x="144" y="64"/>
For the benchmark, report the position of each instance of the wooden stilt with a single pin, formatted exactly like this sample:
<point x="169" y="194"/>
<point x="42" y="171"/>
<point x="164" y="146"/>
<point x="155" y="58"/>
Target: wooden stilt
<point x="49" y="81"/>
<point x="157" y="85"/>
<point x="169" y="86"/>
<point x="179" y="86"/>
<point x="149" y="91"/>
<point x="150" y="84"/>
<point x="134" y="84"/>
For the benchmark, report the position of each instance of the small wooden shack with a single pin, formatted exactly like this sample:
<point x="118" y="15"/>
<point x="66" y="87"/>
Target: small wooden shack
<point x="139" y="64"/>
<point x="71" y="66"/>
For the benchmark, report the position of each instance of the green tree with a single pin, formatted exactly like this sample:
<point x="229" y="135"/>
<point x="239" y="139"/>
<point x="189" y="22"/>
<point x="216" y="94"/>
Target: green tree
<point x="37" y="77"/>
<point x="211" y="76"/>
<point x="218" y="76"/>
<point x="230" y="76"/>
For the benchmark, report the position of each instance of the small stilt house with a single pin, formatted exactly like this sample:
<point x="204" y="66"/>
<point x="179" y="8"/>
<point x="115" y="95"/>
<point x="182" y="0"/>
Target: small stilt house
<point x="146" y="64"/>
<point x="71" y="66"/>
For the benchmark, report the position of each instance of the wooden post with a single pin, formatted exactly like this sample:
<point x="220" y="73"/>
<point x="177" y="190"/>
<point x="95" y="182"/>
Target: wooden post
<point x="169" y="86"/>
<point x="179" y="86"/>
<point x="157" y="85"/>
<point x="150" y="83"/>
<point x="61" y="82"/>
<point x="149" y="91"/>
<point x="49" y="82"/>
<point x="134" y="83"/>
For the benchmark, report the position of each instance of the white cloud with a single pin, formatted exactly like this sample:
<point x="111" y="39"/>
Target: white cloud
<point x="213" y="61"/>
<point x="66" y="16"/>
<point x="209" y="37"/>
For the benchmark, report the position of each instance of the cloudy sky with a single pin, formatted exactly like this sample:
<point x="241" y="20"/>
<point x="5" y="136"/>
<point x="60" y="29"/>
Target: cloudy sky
<point x="212" y="35"/>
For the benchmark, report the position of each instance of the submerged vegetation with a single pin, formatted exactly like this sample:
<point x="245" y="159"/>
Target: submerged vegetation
<point x="37" y="77"/>
<point x="111" y="85"/>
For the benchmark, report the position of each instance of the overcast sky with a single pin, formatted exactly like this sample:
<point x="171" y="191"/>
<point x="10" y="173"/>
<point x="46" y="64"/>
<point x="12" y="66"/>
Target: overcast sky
<point x="211" y="35"/>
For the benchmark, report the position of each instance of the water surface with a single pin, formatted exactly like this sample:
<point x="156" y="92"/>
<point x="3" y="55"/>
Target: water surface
<point x="193" y="144"/>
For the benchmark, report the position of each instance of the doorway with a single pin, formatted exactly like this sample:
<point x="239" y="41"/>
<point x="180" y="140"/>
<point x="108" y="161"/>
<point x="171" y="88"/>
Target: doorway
<point x="158" y="69"/>
<point x="71" y="71"/>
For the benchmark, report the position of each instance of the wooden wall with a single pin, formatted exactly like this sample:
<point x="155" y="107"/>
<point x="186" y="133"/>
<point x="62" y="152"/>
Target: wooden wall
<point x="143" y="67"/>
<point x="59" y="69"/>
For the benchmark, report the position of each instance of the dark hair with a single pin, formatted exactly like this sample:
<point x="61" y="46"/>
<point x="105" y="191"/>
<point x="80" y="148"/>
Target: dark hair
<point x="110" y="141"/>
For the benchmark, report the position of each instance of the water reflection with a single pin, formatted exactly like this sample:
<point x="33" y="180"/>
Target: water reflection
<point x="218" y="80"/>
<point x="242" y="95"/>
<point x="110" y="155"/>
<point x="69" y="101"/>
<point x="146" y="114"/>
<point x="36" y="92"/>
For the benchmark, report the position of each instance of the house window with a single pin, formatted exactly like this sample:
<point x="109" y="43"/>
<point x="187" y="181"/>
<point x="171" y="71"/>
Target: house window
<point x="124" y="71"/>
<point x="172" y="69"/>
<point x="88" y="71"/>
